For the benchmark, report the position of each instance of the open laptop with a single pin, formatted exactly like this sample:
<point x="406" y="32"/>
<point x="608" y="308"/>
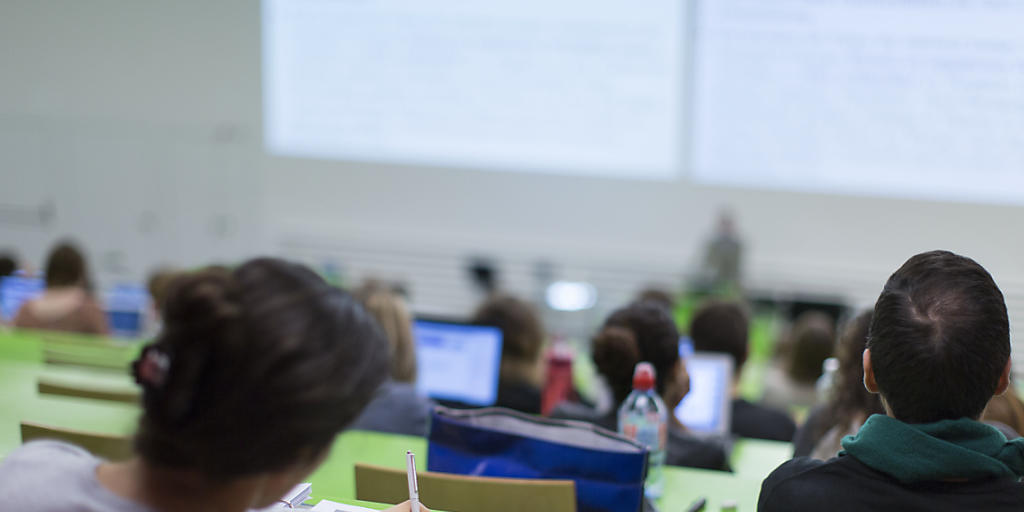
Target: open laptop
<point x="707" y="407"/>
<point x="15" y="291"/>
<point x="126" y="306"/>
<point x="457" y="363"/>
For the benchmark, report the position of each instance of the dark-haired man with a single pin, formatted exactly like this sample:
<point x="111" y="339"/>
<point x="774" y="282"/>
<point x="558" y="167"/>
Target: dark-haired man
<point x="938" y="350"/>
<point x="723" y="327"/>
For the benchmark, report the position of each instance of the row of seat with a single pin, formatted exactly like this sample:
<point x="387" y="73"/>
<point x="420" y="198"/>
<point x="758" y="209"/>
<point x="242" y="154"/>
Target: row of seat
<point x="104" y="403"/>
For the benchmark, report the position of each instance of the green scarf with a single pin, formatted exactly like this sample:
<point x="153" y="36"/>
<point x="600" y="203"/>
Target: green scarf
<point x="948" y="449"/>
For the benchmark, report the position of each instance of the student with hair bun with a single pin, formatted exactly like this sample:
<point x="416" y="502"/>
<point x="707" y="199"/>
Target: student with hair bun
<point x="645" y="331"/>
<point x="244" y="390"/>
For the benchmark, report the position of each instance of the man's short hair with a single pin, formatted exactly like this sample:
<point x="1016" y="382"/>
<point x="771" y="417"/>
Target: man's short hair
<point x="720" y="326"/>
<point x="939" y="339"/>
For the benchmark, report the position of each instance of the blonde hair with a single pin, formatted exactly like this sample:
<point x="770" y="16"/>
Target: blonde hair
<point x="390" y="311"/>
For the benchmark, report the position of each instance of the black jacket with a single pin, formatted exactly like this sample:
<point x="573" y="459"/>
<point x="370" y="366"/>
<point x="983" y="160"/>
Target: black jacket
<point x="845" y="484"/>
<point x="760" y="422"/>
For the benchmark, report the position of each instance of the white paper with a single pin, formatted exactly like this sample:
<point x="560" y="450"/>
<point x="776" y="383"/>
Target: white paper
<point x="331" y="506"/>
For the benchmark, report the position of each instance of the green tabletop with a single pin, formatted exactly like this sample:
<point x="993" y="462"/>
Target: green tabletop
<point x="756" y="458"/>
<point x="335" y="479"/>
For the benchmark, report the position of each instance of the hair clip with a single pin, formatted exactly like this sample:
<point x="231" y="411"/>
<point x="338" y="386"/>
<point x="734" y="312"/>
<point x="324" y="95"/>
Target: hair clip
<point x="151" y="367"/>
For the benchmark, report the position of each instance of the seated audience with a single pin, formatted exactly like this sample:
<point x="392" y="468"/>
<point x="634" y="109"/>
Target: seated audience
<point x="1006" y="413"/>
<point x="67" y="304"/>
<point x="8" y="264"/>
<point x="254" y="374"/>
<point x="659" y="296"/>
<point x="522" y="367"/>
<point x="157" y="284"/>
<point x="397" y="407"/>
<point x="644" y="331"/>
<point x="811" y="341"/>
<point x="938" y="351"/>
<point x="850" y="404"/>
<point x="723" y="327"/>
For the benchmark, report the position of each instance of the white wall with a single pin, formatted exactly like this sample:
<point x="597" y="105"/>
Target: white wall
<point x="140" y="121"/>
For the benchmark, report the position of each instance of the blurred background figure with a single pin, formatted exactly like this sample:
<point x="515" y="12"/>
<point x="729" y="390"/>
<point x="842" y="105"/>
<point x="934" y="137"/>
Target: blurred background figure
<point x="659" y="296"/>
<point x="1006" y="412"/>
<point x="523" y="339"/>
<point x="850" y="403"/>
<point x="8" y="264"/>
<point x="723" y="327"/>
<point x="158" y="284"/>
<point x="68" y="303"/>
<point x="644" y="331"/>
<point x="723" y="256"/>
<point x="792" y="384"/>
<point x="397" y="407"/>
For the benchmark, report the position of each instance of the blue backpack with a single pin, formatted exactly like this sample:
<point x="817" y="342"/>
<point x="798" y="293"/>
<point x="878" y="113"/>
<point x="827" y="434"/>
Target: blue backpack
<point x="608" y="469"/>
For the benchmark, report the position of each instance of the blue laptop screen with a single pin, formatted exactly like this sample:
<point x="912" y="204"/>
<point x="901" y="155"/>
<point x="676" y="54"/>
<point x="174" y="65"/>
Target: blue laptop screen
<point x="706" y="407"/>
<point x="125" y="307"/>
<point x="458" y="362"/>
<point x="15" y="291"/>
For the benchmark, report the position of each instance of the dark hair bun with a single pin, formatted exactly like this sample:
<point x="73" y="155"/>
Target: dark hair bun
<point x="616" y="352"/>
<point x="641" y="331"/>
<point x="200" y="300"/>
<point x="265" y="364"/>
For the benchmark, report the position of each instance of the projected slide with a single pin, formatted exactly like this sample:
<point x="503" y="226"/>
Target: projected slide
<point x="910" y="98"/>
<point x="570" y="86"/>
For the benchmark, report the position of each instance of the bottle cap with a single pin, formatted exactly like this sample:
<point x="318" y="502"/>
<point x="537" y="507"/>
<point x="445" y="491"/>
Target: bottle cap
<point x="643" y="376"/>
<point x="830" y="364"/>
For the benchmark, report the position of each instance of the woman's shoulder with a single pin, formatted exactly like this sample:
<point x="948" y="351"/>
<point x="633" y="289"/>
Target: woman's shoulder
<point x="37" y="465"/>
<point x="45" y="456"/>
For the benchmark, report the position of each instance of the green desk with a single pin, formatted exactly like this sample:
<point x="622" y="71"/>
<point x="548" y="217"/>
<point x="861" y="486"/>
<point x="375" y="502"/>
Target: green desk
<point x="756" y="458"/>
<point x="335" y="479"/>
<point x="19" y="401"/>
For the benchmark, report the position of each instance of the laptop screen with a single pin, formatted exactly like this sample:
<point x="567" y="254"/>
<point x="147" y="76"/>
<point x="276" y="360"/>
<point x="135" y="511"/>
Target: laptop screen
<point x="457" y="362"/>
<point x="706" y="408"/>
<point x="125" y="306"/>
<point x="15" y="291"/>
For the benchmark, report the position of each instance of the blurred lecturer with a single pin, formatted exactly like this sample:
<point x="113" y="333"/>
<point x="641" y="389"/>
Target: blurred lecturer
<point x="720" y="270"/>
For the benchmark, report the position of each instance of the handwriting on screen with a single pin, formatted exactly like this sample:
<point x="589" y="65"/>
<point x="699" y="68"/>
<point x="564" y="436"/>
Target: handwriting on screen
<point x="574" y="86"/>
<point x="900" y="97"/>
<point x="908" y="98"/>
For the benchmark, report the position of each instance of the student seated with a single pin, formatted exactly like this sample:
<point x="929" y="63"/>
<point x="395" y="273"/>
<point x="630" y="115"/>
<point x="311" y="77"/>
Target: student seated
<point x="244" y="390"/>
<point x="644" y="331"/>
<point x="938" y="351"/>
<point x="723" y="327"/>
<point x="811" y="341"/>
<point x="850" y="404"/>
<point x="1006" y="413"/>
<point x="521" y="376"/>
<point x="397" y="407"/>
<point x="8" y="264"/>
<point x="67" y="304"/>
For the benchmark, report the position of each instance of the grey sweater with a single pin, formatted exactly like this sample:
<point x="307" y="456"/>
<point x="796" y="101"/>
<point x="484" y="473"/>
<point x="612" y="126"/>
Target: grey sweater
<point x="51" y="476"/>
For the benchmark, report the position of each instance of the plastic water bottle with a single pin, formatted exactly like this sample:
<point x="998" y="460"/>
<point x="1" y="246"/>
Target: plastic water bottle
<point x="643" y="417"/>
<point x="826" y="383"/>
